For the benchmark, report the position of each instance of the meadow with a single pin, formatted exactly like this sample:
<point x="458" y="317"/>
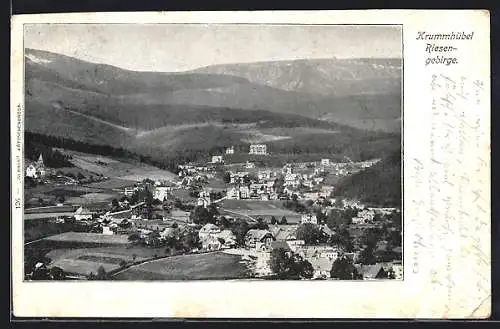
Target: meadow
<point x="258" y="208"/>
<point x="209" y="266"/>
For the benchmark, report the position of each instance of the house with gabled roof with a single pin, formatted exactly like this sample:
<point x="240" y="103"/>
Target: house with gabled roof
<point x="259" y="239"/>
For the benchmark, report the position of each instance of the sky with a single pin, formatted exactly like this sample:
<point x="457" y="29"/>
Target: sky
<point x="181" y="47"/>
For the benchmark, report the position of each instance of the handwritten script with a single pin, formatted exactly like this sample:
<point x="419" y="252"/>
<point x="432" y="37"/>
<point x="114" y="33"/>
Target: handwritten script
<point x="458" y="201"/>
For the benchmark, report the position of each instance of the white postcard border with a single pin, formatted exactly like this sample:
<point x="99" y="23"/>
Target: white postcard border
<point x="456" y="286"/>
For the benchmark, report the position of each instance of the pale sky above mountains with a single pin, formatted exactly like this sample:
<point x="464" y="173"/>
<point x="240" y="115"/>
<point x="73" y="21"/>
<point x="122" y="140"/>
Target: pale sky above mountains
<point x="180" y="47"/>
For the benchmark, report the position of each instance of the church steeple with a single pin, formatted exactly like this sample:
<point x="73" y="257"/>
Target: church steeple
<point x="40" y="160"/>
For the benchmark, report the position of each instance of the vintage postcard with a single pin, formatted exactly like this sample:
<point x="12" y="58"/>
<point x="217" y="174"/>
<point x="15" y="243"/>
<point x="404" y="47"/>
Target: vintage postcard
<point x="251" y="164"/>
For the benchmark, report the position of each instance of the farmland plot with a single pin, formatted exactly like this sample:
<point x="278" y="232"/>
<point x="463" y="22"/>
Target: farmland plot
<point x="210" y="266"/>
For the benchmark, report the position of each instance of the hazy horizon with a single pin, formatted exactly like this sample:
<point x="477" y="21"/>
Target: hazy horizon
<point x="189" y="47"/>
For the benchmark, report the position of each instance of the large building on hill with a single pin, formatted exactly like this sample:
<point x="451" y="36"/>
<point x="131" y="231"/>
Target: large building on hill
<point x="258" y="149"/>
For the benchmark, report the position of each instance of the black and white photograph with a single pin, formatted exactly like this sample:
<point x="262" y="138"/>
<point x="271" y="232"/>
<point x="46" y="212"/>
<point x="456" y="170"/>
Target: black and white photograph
<point x="212" y="152"/>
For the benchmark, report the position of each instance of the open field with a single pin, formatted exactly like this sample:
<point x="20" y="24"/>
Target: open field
<point x="126" y="253"/>
<point x="117" y="168"/>
<point x="47" y="215"/>
<point x="93" y="198"/>
<point x="86" y="260"/>
<point x="43" y="227"/>
<point x="258" y="208"/>
<point x="37" y="250"/>
<point x="112" y="183"/>
<point x="89" y="238"/>
<point x="211" y="266"/>
<point x="49" y="209"/>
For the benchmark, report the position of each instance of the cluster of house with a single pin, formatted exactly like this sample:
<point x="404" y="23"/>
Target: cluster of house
<point x="36" y="169"/>
<point x="294" y="180"/>
<point x="191" y="172"/>
<point x="262" y="191"/>
<point x="213" y="238"/>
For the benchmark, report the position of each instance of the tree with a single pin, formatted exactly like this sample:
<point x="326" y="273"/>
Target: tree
<point x="101" y="273"/>
<point x="226" y="177"/>
<point x="321" y="216"/>
<point x="342" y="238"/>
<point x="304" y="269"/>
<point x="80" y="176"/>
<point x="189" y="240"/>
<point x="287" y="265"/>
<point x="224" y="222"/>
<point x="60" y="199"/>
<point x="311" y="234"/>
<point x="240" y="228"/>
<point x="273" y="220"/>
<point x="367" y="257"/>
<point x="260" y="225"/>
<point x="381" y="274"/>
<point x="283" y="221"/>
<point x="57" y="273"/>
<point x="212" y="212"/>
<point x="200" y="215"/>
<point x="148" y="199"/>
<point x="279" y="262"/>
<point x="309" y="203"/>
<point x="134" y="236"/>
<point x="339" y="203"/>
<point x="394" y="239"/>
<point x="370" y="237"/>
<point x="334" y="219"/>
<point x="114" y="204"/>
<point x="343" y="269"/>
<point x="125" y="224"/>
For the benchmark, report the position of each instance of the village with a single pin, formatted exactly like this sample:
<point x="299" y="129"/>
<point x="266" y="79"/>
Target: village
<point x="284" y="222"/>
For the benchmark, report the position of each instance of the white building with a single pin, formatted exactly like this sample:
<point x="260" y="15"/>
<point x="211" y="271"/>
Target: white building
<point x="82" y="214"/>
<point x="31" y="171"/>
<point x="309" y="218"/>
<point x="295" y="244"/>
<point x="287" y="169"/>
<point x="106" y="230"/>
<point x="266" y="174"/>
<point x="208" y="230"/>
<point x="249" y="165"/>
<point x="398" y="271"/>
<point x="325" y="162"/>
<point x="203" y="202"/>
<point x="244" y="192"/>
<point x="37" y="169"/>
<point x="258" y="149"/>
<point x="292" y="180"/>
<point x="217" y="159"/>
<point x="161" y="192"/>
<point x="233" y="193"/>
<point x="331" y="254"/>
<point x="364" y="216"/>
<point x="128" y="191"/>
<point x="230" y="150"/>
